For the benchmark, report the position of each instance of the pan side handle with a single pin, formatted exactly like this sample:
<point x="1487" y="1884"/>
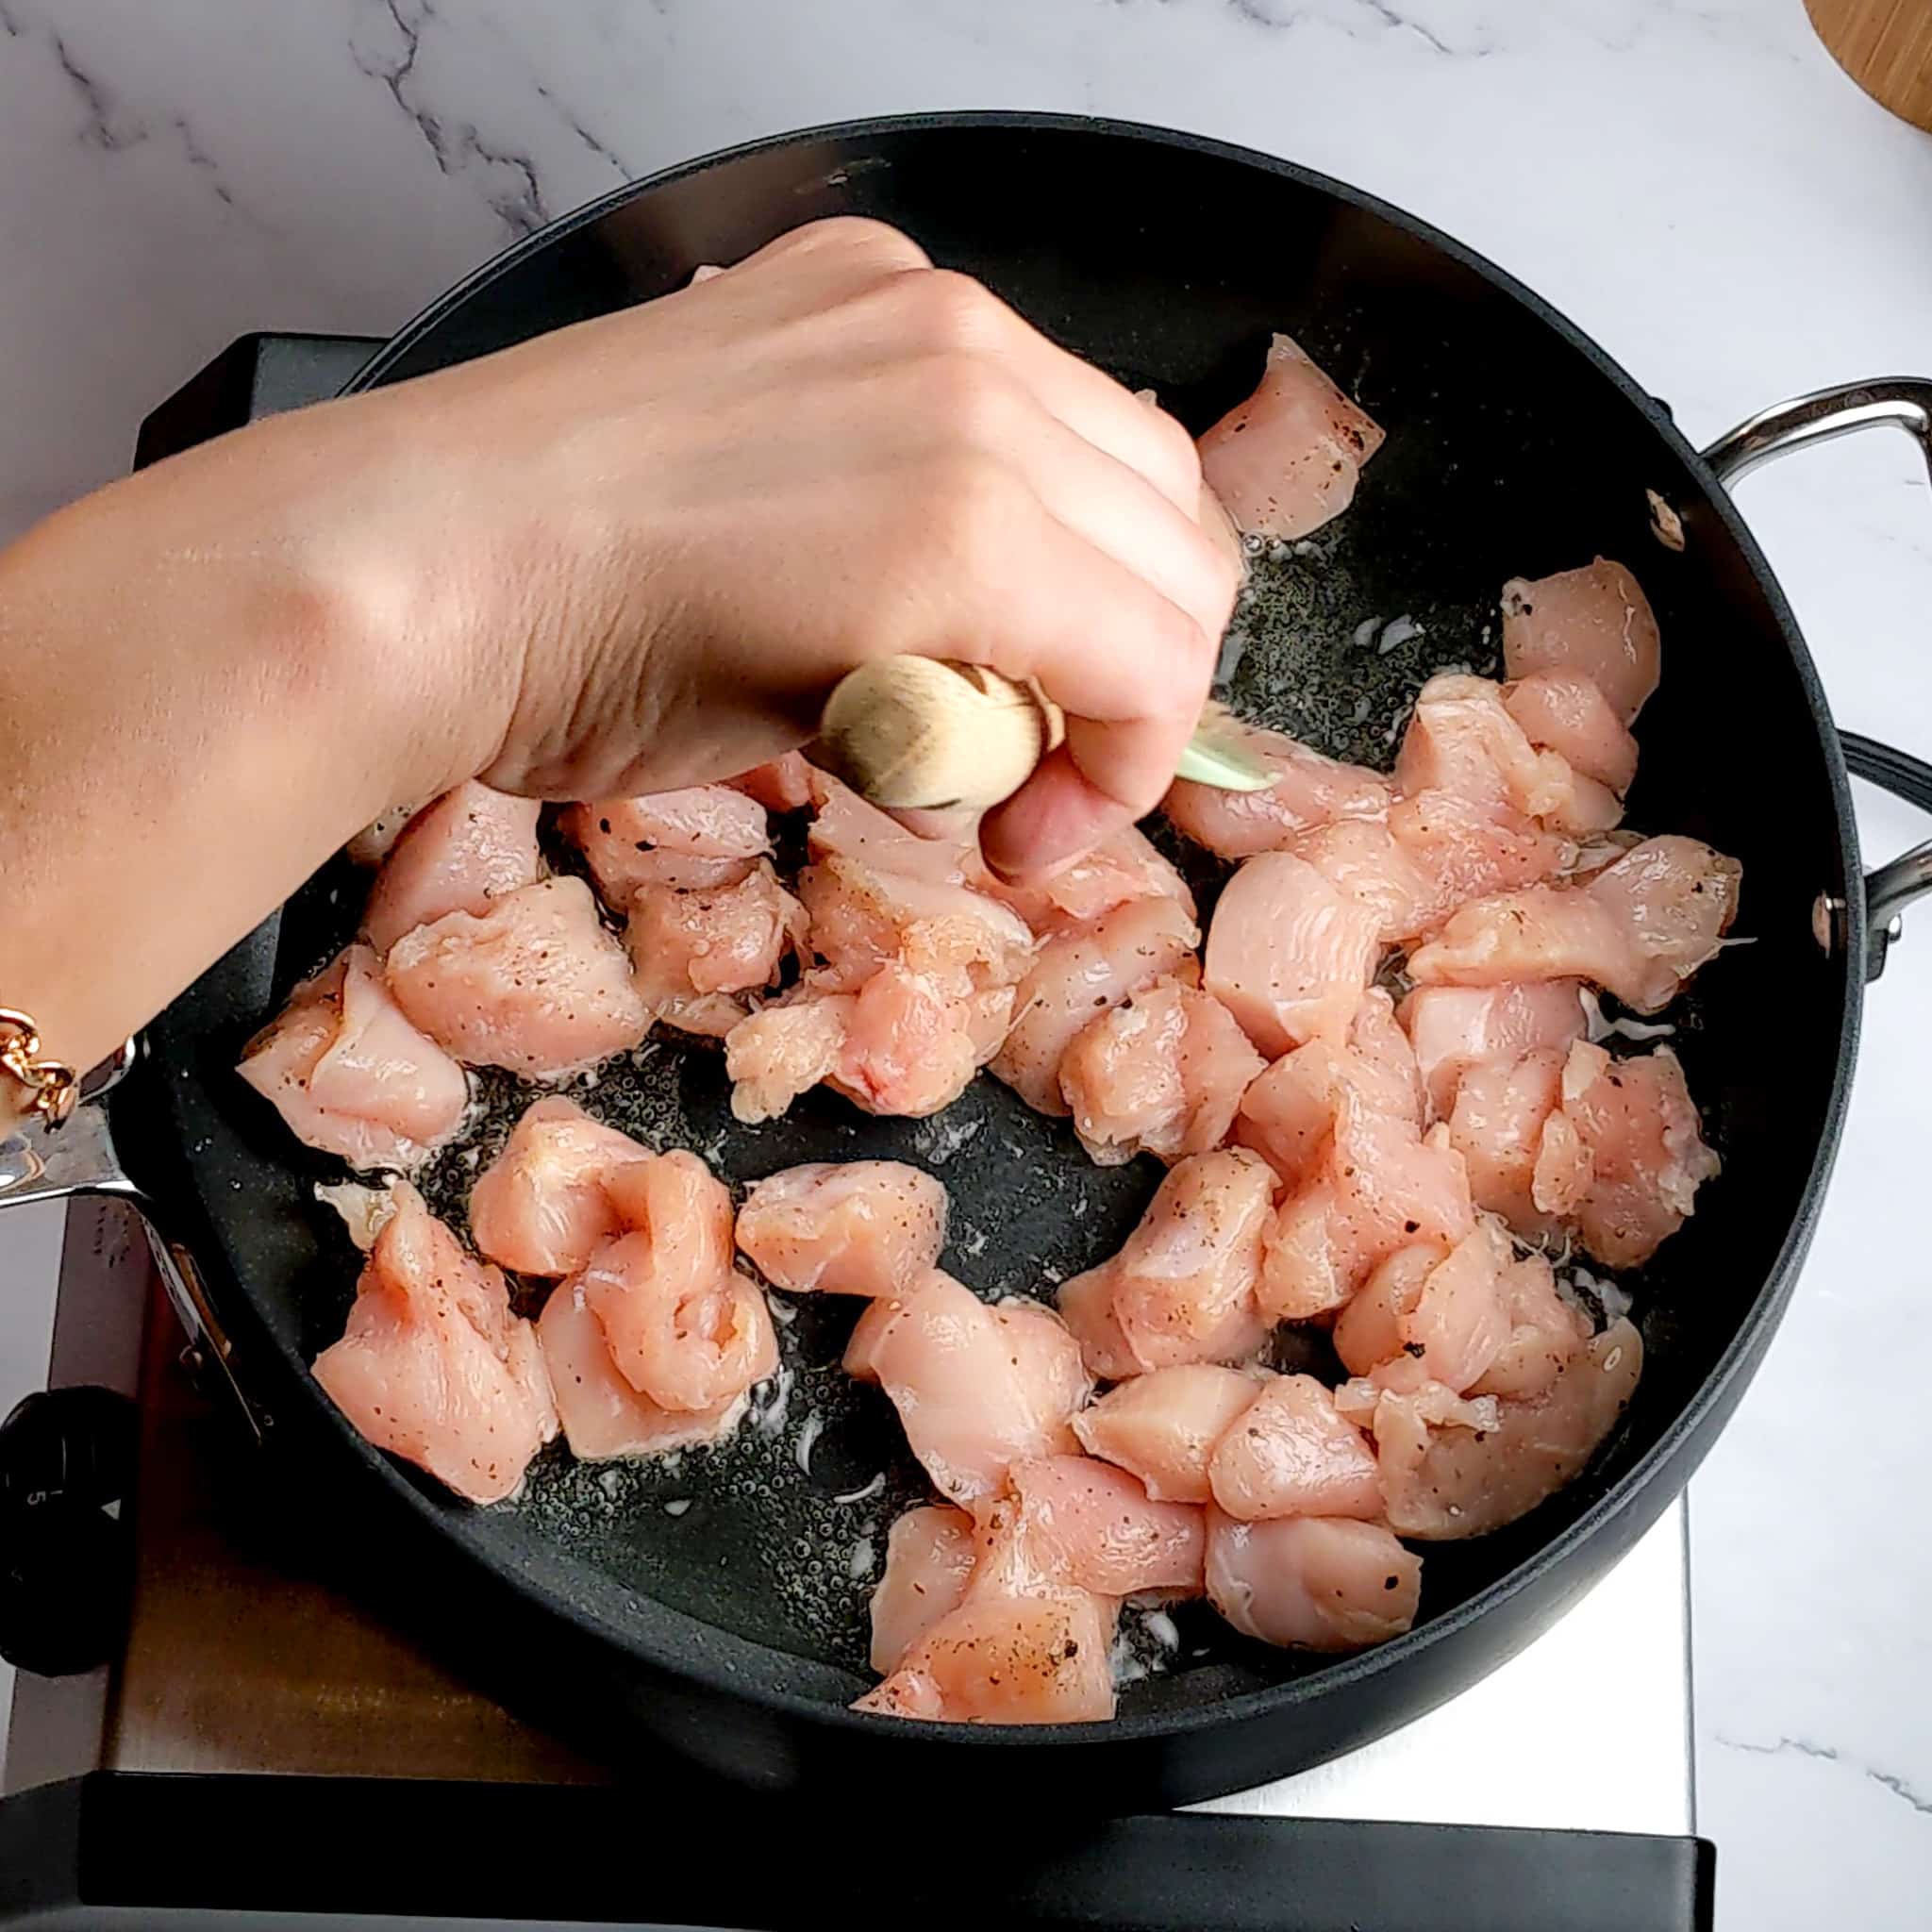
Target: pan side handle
<point x="79" y="1159"/>
<point x="1889" y="403"/>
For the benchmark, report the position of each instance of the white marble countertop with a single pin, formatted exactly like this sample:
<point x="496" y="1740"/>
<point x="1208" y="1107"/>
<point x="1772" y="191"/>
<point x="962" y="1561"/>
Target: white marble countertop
<point x="1693" y="180"/>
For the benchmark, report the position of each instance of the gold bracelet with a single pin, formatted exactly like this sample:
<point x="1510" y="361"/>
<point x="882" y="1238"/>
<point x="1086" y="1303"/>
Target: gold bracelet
<point x="54" y="1087"/>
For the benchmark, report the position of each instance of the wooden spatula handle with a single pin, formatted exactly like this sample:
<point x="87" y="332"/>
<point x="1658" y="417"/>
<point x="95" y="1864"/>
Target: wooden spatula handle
<point x="920" y="733"/>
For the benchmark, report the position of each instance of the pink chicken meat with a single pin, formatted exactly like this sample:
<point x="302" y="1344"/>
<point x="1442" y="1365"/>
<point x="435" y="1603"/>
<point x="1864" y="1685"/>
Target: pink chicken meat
<point x="860" y="1227"/>
<point x="603" y="1416"/>
<point x="1124" y="868"/>
<point x="1163" y="1427"/>
<point x="543" y="1207"/>
<point x="1640" y="928"/>
<point x="536" y="984"/>
<point x="978" y="1388"/>
<point x="1291" y="1453"/>
<point x="684" y="1326"/>
<point x="1288" y="954"/>
<point x="693" y="948"/>
<point x="1464" y="740"/>
<point x="1310" y="1582"/>
<point x="1454" y="1028"/>
<point x="1469" y="1475"/>
<point x="705" y="836"/>
<point x="433" y="1366"/>
<point x="1182" y="1290"/>
<point x="1286" y="461"/>
<point x="1595" y="621"/>
<point x="1079" y="973"/>
<point x="1623" y="1155"/>
<point x="460" y="854"/>
<point x="351" y="1076"/>
<point x="915" y="975"/>
<point x="1309" y="790"/>
<point x="1161" y="1073"/>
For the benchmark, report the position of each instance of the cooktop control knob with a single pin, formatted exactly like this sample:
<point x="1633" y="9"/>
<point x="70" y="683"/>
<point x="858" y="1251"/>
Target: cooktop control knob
<point x="66" y="1482"/>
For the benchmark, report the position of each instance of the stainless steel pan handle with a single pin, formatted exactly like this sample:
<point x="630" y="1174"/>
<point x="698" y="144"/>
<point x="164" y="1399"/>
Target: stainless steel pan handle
<point x="1895" y="403"/>
<point x="79" y="1159"/>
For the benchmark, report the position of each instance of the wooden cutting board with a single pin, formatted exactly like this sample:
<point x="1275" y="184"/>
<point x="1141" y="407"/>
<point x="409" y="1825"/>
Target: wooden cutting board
<point x="1885" y="46"/>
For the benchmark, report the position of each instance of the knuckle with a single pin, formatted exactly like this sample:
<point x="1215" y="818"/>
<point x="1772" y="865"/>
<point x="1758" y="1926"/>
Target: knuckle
<point x="975" y="502"/>
<point x="947" y="309"/>
<point x="966" y="398"/>
<point x="868" y="242"/>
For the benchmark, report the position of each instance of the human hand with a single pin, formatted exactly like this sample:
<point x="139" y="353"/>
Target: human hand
<point x="640" y="552"/>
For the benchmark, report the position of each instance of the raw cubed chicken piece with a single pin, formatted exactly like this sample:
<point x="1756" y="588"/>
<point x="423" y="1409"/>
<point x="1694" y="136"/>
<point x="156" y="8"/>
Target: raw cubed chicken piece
<point x="1595" y="621"/>
<point x="1448" y="1320"/>
<point x="1382" y="1061"/>
<point x="1563" y="711"/>
<point x="377" y="839"/>
<point x="460" y="855"/>
<point x="1311" y="1583"/>
<point x="1310" y="790"/>
<point x="1454" y="1028"/>
<point x="1288" y="954"/>
<point x="929" y="1556"/>
<point x="863" y="1227"/>
<point x="1446" y="1481"/>
<point x="1071" y="1520"/>
<point x="685" y="1328"/>
<point x="783" y="785"/>
<point x="978" y="1388"/>
<point x="1366" y="1401"/>
<point x="1291" y="1453"/>
<point x="1288" y="1113"/>
<point x="1285" y="461"/>
<point x="536" y="984"/>
<point x="1079" y="973"/>
<point x="1467" y="851"/>
<point x="1035" y="1659"/>
<point x="1342" y="1130"/>
<point x="693" y="947"/>
<point x="704" y="835"/>
<point x="1163" y="1427"/>
<point x="1497" y="1125"/>
<point x="915" y="975"/>
<point x="1364" y="861"/>
<point x="1122" y="868"/>
<point x="1370" y="1330"/>
<point x="1463" y="741"/>
<point x="1086" y="1306"/>
<point x="542" y="1206"/>
<point x="1639" y="927"/>
<point x="878" y="893"/>
<point x="1182" y="1288"/>
<point x="1622" y="1157"/>
<point x="864" y="918"/>
<point x="350" y="1074"/>
<point x="1161" y="1073"/>
<point x="1544" y="1331"/>
<point x="433" y="1367"/>
<point x="778" y="1053"/>
<point x="603" y="1415"/>
<point x="1381" y="1185"/>
<point x="912" y="1043"/>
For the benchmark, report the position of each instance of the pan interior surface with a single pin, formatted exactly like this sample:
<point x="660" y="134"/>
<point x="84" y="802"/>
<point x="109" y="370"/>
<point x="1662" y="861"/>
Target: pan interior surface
<point x="1511" y="450"/>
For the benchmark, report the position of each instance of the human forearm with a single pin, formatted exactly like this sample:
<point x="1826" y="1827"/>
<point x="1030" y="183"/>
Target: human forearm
<point x="197" y="713"/>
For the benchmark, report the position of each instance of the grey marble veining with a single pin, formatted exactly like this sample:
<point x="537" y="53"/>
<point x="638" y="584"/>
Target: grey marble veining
<point x="1692" y="180"/>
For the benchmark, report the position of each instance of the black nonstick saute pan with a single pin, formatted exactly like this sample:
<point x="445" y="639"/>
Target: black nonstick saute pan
<point x="731" y="1626"/>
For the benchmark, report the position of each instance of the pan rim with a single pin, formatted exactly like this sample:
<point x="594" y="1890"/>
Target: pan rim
<point x="1639" y="1494"/>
